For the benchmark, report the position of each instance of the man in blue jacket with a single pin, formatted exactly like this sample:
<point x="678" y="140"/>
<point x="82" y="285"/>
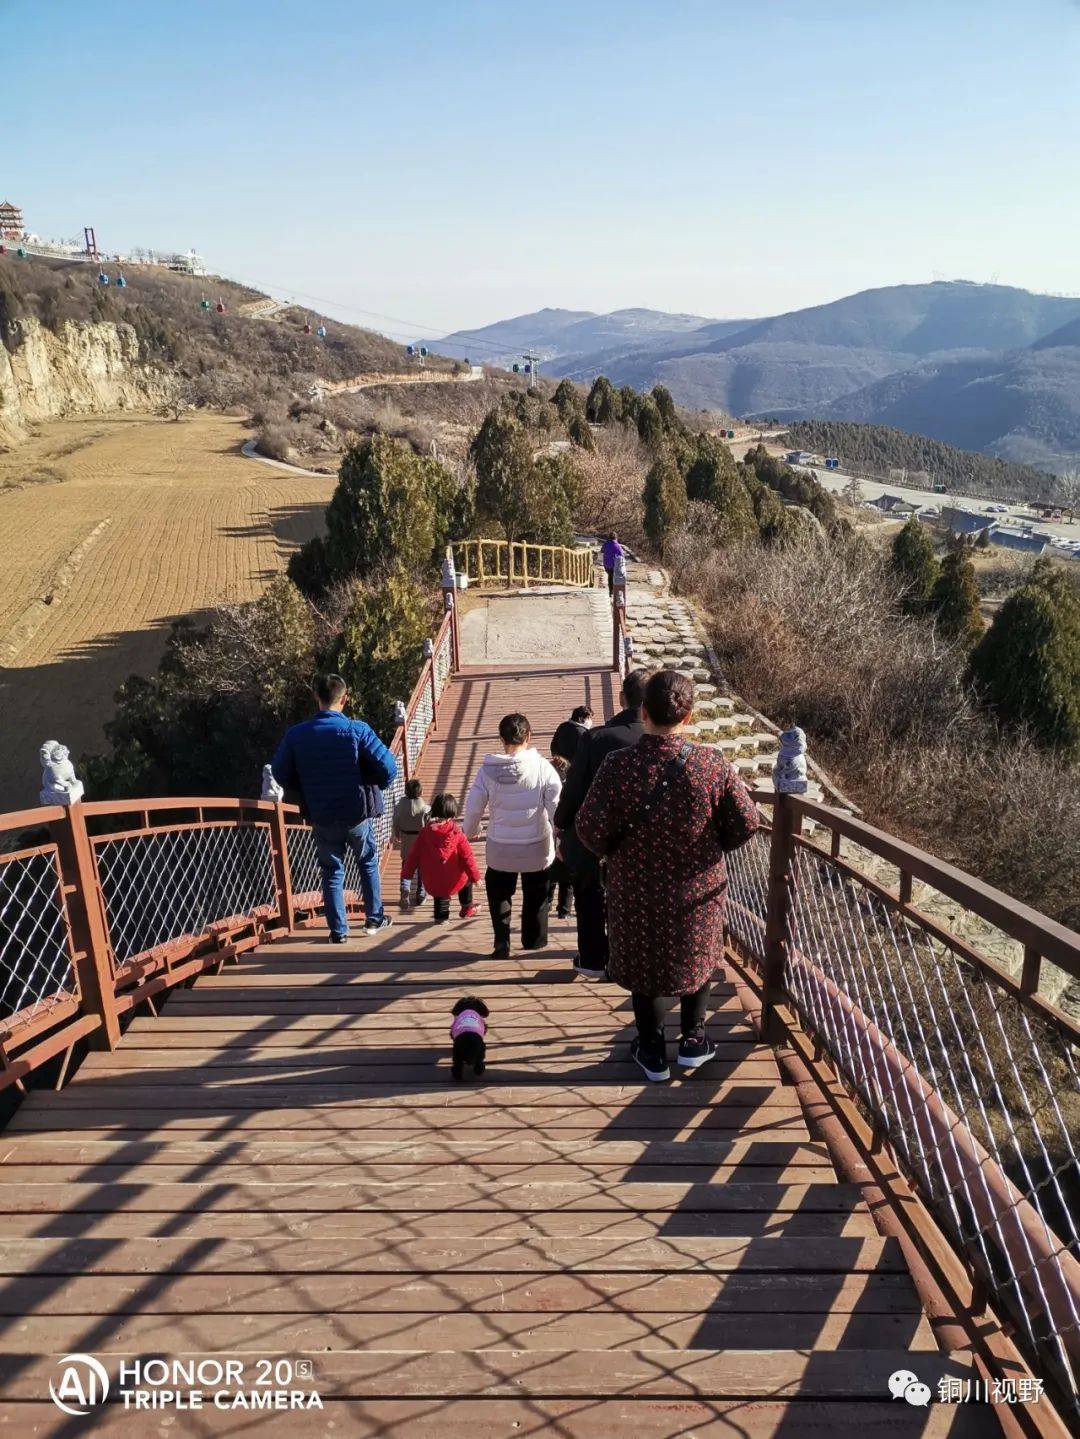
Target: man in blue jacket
<point x="340" y="767"/>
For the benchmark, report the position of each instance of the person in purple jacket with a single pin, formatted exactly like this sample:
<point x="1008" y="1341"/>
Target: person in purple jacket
<point x="610" y="551"/>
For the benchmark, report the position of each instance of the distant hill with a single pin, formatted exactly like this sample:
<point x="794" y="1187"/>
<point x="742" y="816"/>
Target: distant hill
<point x="569" y="337"/>
<point x="986" y="367"/>
<point x="1022" y="405"/>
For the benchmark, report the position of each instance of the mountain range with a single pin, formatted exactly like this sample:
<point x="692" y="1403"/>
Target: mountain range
<point x="984" y="367"/>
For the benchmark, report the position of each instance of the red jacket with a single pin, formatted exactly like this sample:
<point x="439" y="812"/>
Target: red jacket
<point x="444" y="858"/>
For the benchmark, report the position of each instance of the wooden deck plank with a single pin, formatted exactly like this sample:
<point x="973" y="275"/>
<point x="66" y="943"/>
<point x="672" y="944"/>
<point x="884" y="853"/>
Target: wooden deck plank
<point x="18" y="1150"/>
<point x="689" y="1373"/>
<point x="400" y="1196"/>
<point x="239" y="1331"/>
<point x="397" y="1226"/>
<point x="589" y="1418"/>
<point x="499" y="1293"/>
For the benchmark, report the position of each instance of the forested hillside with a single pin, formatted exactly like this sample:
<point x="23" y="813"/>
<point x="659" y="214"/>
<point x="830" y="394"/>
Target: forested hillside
<point x="876" y="450"/>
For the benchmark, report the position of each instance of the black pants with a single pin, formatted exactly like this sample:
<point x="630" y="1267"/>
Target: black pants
<point x="590" y="905"/>
<point x="610" y="581"/>
<point x="535" y="903"/>
<point x="649" y="1012"/>
<point x="442" y="906"/>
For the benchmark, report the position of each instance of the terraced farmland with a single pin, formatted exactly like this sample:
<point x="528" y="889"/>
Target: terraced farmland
<point x="110" y="527"/>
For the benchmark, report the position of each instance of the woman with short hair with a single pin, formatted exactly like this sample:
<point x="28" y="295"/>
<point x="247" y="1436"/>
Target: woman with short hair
<point x="664" y="813"/>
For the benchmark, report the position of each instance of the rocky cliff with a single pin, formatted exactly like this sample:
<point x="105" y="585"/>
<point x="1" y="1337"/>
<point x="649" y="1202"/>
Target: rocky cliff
<point x="81" y="369"/>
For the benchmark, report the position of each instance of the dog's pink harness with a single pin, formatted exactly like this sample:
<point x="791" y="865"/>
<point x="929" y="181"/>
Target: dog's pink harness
<point x="468" y="1022"/>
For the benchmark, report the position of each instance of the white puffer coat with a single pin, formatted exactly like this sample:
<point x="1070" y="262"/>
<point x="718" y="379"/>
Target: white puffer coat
<point x="520" y="792"/>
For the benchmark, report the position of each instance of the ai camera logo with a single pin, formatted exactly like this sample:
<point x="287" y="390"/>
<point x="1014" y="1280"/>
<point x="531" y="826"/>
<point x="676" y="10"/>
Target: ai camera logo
<point x="83" y="1384"/>
<point x="905" y="1385"/>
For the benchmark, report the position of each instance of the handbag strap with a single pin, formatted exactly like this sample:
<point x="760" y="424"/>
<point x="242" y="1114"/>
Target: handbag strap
<point x="674" y="767"/>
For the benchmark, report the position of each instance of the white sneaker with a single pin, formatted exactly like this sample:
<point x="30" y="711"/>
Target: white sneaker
<point x="374" y="926"/>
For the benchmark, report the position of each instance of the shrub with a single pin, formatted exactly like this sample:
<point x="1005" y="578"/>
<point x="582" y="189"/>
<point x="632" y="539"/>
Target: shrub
<point x="580" y="432"/>
<point x="272" y="440"/>
<point x="915" y="564"/>
<point x="213" y="712"/>
<point x="1026" y="668"/>
<point x="954" y="600"/>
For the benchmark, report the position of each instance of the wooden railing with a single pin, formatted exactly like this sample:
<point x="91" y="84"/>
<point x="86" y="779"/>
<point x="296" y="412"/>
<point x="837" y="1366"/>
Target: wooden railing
<point x="495" y="562"/>
<point x="105" y="904"/>
<point x="965" y="1069"/>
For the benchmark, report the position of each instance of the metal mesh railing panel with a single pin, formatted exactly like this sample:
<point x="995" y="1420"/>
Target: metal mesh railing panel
<point x="748" y="895"/>
<point x="418" y="724"/>
<point x="444" y="663"/>
<point x="304" y="863"/>
<point x="171" y="883"/>
<point x="35" y="953"/>
<point x="978" y="1096"/>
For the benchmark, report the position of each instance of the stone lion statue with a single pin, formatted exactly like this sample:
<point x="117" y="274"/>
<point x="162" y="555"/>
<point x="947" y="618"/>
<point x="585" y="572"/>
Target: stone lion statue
<point x="59" y="782"/>
<point x="270" y="788"/>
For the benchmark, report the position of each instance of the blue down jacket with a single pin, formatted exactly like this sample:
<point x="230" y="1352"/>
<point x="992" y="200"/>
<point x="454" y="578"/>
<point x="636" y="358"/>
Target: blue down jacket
<point x="340" y="767"/>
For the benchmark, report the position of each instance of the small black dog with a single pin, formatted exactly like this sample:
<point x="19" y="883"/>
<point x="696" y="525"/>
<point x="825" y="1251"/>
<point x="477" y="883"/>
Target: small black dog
<point x="467" y="1032"/>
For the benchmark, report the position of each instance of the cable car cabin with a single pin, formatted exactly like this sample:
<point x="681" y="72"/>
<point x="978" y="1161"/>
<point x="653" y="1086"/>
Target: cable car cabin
<point x="204" y="304"/>
<point x="121" y="283"/>
<point x="321" y="332"/>
<point x="102" y="278"/>
<point x="307" y="327"/>
<point x="220" y="307"/>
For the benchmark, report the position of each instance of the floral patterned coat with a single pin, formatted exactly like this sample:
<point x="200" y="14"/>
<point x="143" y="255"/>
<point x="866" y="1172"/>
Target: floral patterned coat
<point x="666" y="878"/>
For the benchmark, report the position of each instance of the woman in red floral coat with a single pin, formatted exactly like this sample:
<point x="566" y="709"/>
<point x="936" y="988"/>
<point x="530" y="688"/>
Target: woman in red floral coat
<point x="664" y="813"/>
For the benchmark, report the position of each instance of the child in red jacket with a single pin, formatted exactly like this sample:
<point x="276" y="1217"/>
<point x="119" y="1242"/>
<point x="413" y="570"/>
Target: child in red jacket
<point x="445" y="860"/>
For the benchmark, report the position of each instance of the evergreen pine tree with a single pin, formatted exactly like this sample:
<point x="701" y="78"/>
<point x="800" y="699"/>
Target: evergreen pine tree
<point x="954" y="599"/>
<point x="649" y="424"/>
<point x="1026" y="668"/>
<point x="664" y="499"/>
<point x="602" y="406"/>
<point x="506" y="479"/>
<point x="383" y="508"/>
<point x="567" y="400"/>
<point x="380" y="650"/>
<point x="915" y="563"/>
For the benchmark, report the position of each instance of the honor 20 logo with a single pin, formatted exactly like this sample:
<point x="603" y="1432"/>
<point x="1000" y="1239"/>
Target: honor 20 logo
<point x="83" y="1384"/>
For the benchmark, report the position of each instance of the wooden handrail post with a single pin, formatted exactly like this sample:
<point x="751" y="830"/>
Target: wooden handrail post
<point x="89" y="934"/>
<point x="786" y="824"/>
<point x="279" y="836"/>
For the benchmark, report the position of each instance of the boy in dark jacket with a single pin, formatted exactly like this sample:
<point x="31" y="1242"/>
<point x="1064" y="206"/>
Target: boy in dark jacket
<point x="445" y="860"/>
<point x="340" y="767"/>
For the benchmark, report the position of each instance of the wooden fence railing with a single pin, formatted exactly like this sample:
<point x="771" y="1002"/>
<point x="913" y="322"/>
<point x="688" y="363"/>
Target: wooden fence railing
<point x="495" y="562"/>
<point x="968" y="1072"/>
<point x="105" y="904"/>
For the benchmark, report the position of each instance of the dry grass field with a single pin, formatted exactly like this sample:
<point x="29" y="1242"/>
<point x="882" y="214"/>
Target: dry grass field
<point x="111" y="527"/>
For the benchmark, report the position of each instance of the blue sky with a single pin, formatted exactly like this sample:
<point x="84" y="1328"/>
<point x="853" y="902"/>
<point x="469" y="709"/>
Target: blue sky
<point x="452" y="164"/>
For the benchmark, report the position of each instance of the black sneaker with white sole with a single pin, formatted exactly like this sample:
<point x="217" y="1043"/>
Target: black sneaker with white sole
<point x="695" y="1050"/>
<point x="375" y="926"/>
<point x="587" y="971"/>
<point x="651" y="1060"/>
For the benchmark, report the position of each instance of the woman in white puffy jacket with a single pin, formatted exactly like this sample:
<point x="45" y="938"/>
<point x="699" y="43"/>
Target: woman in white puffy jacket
<point x="519" y="789"/>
